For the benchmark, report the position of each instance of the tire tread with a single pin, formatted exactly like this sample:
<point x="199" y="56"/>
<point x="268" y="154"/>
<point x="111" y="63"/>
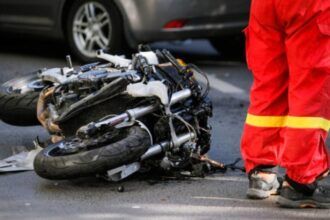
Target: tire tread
<point x="19" y="109"/>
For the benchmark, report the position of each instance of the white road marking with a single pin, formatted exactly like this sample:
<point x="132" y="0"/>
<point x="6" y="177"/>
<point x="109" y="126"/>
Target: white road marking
<point x="136" y="207"/>
<point x="221" y="198"/>
<point x="220" y="85"/>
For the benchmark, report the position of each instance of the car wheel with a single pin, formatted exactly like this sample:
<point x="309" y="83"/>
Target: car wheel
<point x="230" y="47"/>
<point x="93" y="25"/>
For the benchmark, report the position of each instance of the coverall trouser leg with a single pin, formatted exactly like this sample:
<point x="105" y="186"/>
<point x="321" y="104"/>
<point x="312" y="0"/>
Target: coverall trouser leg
<point x="288" y="52"/>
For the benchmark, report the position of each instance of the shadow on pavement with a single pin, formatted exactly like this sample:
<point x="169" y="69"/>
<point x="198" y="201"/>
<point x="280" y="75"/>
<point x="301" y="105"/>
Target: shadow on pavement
<point x="190" y="50"/>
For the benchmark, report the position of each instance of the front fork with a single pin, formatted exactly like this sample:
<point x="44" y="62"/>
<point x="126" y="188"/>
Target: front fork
<point x="130" y="115"/>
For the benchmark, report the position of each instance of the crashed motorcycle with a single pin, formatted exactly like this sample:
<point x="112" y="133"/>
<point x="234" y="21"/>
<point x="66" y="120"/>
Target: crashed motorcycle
<point x="118" y="116"/>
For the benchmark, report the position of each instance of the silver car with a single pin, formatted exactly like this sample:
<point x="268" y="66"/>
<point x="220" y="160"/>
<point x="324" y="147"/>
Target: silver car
<point x="88" y="25"/>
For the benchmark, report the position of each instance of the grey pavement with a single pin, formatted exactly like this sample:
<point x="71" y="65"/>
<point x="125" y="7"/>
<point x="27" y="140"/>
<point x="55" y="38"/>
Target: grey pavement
<point x="24" y="195"/>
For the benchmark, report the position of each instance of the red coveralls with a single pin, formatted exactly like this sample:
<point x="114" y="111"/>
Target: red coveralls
<point x="288" y="52"/>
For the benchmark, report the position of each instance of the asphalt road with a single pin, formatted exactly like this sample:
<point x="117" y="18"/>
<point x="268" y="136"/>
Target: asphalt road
<point x="24" y="195"/>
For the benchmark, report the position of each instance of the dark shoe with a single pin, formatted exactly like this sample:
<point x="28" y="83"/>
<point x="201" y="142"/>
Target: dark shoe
<point x="260" y="188"/>
<point x="290" y="198"/>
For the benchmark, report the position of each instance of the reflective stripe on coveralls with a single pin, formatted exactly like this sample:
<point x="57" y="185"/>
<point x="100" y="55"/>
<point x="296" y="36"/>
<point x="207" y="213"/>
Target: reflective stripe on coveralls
<point x="288" y="52"/>
<point x="288" y="121"/>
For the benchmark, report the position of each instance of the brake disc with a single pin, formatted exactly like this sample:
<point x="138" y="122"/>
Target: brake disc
<point x="76" y="144"/>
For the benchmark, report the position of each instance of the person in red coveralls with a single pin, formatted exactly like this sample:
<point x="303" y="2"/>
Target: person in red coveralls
<point x="288" y="52"/>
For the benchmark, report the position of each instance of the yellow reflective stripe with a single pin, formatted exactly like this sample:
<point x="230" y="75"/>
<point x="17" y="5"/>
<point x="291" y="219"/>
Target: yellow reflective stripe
<point x="266" y="121"/>
<point x="288" y="121"/>
<point x="308" y="122"/>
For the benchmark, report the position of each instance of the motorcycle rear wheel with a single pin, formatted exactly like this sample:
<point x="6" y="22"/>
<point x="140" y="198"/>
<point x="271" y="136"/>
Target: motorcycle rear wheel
<point x="50" y="164"/>
<point x="18" y="103"/>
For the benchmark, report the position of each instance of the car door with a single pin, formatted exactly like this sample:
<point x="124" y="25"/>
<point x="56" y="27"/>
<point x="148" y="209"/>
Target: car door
<point x="29" y="14"/>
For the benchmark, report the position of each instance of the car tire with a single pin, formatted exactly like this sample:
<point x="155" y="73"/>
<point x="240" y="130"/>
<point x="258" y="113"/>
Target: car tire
<point x="97" y="23"/>
<point x="230" y="47"/>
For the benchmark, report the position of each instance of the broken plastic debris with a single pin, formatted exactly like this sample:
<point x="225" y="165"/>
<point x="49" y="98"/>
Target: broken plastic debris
<point x="21" y="161"/>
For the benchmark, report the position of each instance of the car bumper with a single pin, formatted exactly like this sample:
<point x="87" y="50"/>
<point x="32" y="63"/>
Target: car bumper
<point x="145" y="20"/>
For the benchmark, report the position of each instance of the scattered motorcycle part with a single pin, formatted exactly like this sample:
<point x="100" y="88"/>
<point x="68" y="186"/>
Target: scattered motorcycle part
<point x="121" y="189"/>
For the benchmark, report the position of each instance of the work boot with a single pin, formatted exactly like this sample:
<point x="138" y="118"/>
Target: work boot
<point x="262" y="185"/>
<point x="304" y="196"/>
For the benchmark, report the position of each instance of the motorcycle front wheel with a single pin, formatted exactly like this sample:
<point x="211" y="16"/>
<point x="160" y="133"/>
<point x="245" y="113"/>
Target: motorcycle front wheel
<point x="64" y="160"/>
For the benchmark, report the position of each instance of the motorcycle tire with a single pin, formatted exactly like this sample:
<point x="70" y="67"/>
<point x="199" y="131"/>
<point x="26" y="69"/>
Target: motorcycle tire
<point x="127" y="149"/>
<point x="19" y="108"/>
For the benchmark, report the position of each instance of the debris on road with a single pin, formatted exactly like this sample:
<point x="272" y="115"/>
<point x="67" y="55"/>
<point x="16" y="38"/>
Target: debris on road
<point x="21" y="161"/>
